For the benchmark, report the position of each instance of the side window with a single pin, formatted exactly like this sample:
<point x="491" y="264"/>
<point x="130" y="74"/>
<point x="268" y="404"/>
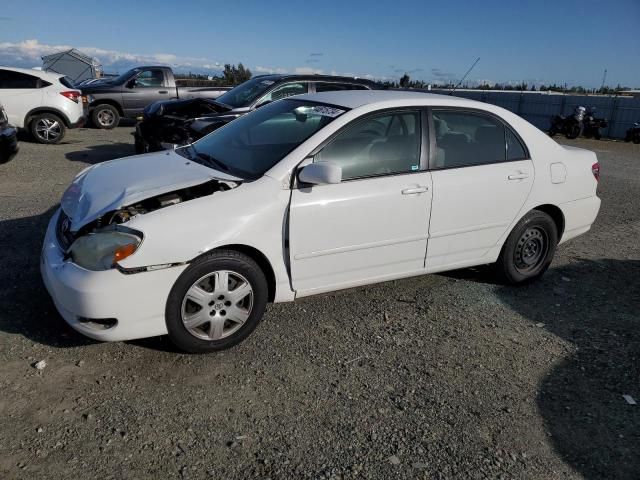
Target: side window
<point x="379" y="145"/>
<point x="467" y="139"/>
<point x="284" y="91"/>
<point x="149" y="78"/>
<point x="515" y="150"/>
<point x="15" y="80"/>
<point x="332" y="87"/>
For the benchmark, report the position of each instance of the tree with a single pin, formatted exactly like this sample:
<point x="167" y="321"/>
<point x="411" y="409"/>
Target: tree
<point x="235" y="75"/>
<point x="405" y="81"/>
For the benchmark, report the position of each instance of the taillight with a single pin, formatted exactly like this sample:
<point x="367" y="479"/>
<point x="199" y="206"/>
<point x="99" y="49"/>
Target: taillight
<point x="71" y="95"/>
<point x="595" y="169"/>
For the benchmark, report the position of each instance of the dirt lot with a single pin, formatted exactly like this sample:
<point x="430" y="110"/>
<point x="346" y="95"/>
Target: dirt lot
<point x="443" y="376"/>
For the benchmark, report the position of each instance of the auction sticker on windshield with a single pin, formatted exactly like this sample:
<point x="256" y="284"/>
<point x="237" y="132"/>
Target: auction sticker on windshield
<point x="326" y="111"/>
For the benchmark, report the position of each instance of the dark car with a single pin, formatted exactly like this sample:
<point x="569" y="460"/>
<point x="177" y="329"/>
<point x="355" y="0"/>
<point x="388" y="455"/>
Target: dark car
<point x="633" y="134"/>
<point x="128" y="94"/>
<point x="8" y="138"/>
<point x="167" y="124"/>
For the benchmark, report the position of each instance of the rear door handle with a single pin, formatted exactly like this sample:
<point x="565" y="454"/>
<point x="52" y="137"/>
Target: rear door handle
<point x="414" y="190"/>
<point x="163" y="91"/>
<point x="518" y="176"/>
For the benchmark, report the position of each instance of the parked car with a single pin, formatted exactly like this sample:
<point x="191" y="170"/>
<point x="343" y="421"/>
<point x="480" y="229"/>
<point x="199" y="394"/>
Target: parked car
<point x="633" y="134"/>
<point x="582" y="121"/>
<point x="306" y="195"/>
<point x="8" y="138"/>
<point x="43" y="103"/>
<point x="128" y="94"/>
<point x="170" y="124"/>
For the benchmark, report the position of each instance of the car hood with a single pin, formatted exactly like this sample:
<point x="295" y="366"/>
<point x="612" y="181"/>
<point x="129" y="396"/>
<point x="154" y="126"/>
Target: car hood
<point x="118" y="183"/>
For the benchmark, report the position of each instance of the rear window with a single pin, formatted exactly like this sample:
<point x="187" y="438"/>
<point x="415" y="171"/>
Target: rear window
<point x="66" y="81"/>
<point x="332" y="87"/>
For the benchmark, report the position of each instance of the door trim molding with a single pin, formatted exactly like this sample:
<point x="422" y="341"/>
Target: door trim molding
<point x="361" y="246"/>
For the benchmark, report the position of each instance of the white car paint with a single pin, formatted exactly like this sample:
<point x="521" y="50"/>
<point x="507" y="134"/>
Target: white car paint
<point x="316" y="239"/>
<point x="20" y="103"/>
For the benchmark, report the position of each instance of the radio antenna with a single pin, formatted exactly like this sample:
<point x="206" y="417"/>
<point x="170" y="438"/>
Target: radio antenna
<point x="465" y="76"/>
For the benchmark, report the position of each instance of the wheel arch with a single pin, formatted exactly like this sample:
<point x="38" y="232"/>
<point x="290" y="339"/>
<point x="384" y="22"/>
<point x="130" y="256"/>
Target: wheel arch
<point x="556" y="214"/>
<point x="107" y="101"/>
<point x="39" y="110"/>
<point x="257" y="256"/>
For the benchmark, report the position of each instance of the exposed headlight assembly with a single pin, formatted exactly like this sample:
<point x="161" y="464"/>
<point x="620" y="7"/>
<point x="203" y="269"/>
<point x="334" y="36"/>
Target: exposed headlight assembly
<point x="102" y="250"/>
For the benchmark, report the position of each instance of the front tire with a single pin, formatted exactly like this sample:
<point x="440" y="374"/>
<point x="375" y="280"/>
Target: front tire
<point x="529" y="249"/>
<point x="105" y="116"/>
<point x="47" y="128"/>
<point x="216" y="303"/>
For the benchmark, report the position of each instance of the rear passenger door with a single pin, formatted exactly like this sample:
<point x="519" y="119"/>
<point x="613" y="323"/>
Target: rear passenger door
<point x="482" y="176"/>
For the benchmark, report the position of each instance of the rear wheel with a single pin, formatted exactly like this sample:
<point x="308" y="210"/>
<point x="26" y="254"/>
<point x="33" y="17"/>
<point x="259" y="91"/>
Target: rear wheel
<point x="529" y="249"/>
<point x="47" y="128"/>
<point x="573" y="131"/>
<point x="105" y="116"/>
<point x="216" y="303"/>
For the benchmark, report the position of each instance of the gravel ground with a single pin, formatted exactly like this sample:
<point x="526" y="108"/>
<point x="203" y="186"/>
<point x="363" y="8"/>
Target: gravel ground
<point x="442" y="376"/>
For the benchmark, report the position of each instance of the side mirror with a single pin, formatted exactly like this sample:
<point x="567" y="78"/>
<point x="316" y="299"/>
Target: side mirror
<point x="321" y="173"/>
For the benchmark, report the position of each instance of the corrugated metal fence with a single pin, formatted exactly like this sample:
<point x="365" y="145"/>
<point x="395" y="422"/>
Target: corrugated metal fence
<point x="538" y="108"/>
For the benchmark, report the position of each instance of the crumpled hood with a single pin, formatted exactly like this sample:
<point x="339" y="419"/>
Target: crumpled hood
<point x="117" y="183"/>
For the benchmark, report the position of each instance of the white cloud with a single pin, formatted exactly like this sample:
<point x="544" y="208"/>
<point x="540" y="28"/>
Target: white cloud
<point x="270" y="70"/>
<point x="308" y="71"/>
<point x="28" y="53"/>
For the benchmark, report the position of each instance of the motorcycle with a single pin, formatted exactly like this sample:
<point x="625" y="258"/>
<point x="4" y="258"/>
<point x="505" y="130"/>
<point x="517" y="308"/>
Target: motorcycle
<point x="591" y="125"/>
<point x="582" y="121"/>
<point x="633" y="134"/>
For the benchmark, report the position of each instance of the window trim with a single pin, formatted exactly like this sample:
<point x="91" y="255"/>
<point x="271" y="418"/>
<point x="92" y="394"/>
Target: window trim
<point x="276" y="85"/>
<point x="338" y="82"/>
<point x="423" y="155"/>
<point x="478" y="112"/>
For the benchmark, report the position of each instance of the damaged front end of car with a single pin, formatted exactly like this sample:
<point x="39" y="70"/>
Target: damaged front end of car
<point x="104" y="242"/>
<point x="171" y="124"/>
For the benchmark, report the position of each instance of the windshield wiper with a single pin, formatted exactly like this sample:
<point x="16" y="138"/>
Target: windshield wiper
<point x="213" y="162"/>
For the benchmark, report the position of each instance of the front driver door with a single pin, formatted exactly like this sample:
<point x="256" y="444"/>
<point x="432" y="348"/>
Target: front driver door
<point x="147" y="87"/>
<point x="372" y="226"/>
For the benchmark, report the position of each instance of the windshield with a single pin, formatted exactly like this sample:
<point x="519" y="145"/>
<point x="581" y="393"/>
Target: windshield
<point x="244" y="94"/>
<point x="252" y="144"/>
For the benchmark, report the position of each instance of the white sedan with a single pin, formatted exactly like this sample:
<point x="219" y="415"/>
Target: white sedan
<point x="306" y="195"/>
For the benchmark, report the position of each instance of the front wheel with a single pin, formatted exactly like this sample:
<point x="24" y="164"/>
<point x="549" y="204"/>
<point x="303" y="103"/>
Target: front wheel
<point x="216" y="302"/>
<point x="105" y="116"/>
<point x="47" y="128"/>
<point x="529" y="249"/>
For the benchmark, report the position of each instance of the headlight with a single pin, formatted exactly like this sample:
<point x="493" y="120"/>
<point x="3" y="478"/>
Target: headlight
<point x="101" y="251"/>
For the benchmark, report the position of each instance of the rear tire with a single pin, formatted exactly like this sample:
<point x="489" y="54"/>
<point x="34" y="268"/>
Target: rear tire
<point x="105" y="116"/>
<point x="47" y="128"/>
<point x="529" y="249"/>
<point x="573" y="132"/>
<point x="216" y="303"/>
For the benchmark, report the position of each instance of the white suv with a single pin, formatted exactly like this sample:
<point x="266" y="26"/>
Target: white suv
<point x="44" y="103"/>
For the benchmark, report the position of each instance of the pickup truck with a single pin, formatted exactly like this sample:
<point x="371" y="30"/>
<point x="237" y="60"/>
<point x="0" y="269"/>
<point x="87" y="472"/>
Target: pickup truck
<point x="128" y="94"/>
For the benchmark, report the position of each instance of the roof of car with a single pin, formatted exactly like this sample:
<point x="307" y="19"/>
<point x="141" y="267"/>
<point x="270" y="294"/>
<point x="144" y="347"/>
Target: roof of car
<point x="34" y="72"/>
<point x="317" y="78"/>
<point x="357" y="98"/>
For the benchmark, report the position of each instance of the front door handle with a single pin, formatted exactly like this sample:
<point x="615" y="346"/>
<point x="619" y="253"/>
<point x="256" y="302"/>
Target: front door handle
<point x="518" y="176"/>
<point x="163" y="91"/>
<point x="414" y="190"/>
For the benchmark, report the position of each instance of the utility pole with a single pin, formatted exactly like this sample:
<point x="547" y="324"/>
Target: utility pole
<point x="604" y="79"/>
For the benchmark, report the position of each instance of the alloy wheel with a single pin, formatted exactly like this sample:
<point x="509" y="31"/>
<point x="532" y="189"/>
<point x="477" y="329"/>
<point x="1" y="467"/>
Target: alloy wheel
<point x="105" y="118"/>
<point x="48" y="129"/>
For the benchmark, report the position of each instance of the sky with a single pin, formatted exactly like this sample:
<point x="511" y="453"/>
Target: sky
<point x="541" y="41"/>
